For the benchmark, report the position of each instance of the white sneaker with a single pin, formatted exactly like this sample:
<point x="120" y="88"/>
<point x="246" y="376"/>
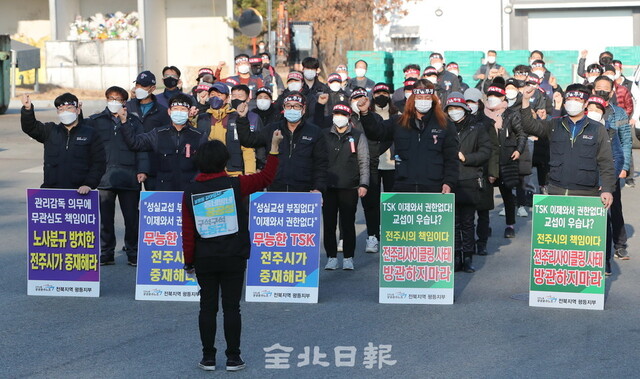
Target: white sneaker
<point x="347" y="264"/>
<point x="340" y="244"/>
<point x="522" y="212"/>
<point x="332" y="264"/>
<point x="372" y="244"/>
<point x="502" y="212"/>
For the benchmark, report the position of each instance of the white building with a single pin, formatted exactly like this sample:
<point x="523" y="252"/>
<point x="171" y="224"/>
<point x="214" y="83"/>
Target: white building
<point x="439" y="25"/>
<point x="188" y="34"/>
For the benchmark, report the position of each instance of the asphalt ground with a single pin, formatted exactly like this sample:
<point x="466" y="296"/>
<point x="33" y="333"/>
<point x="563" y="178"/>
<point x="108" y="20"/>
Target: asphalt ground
<point x="490" y="331"/>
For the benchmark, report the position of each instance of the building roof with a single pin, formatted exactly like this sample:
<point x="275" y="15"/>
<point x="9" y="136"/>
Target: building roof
<point x="397" y="31"/>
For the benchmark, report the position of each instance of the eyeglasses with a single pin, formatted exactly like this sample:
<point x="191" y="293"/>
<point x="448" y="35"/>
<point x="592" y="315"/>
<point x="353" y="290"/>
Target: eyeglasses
<point x="293" y="106"/>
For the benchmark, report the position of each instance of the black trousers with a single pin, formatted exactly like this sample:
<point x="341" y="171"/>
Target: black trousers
<point x="344" y="202"/>
<point x="388" y="178"/>
<point x="482" y="228"/>
<point x="465" y="241"/>
<point x="618" y="231"/>
<point x="509" y="204"/>
<point x="371" y="206"/>
<point x="229" y="285"/>
<point x="129" y="200"/>
<point x="543" y="172"/>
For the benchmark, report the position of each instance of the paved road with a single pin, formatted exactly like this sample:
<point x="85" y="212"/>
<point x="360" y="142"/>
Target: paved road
<point x="490" y="331"/>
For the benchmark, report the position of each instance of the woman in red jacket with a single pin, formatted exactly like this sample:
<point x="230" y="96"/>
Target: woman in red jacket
<point x="216" y="243"/>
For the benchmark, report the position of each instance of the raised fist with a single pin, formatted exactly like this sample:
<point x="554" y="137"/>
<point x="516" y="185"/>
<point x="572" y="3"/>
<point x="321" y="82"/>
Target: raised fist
<point x="26" y="102"/>
<point x="323" y="99"/>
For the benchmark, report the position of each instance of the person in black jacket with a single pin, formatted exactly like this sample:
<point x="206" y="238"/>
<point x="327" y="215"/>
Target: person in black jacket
<point x="581" y="159"/>
<point x="360" y="80"/>
<point x="74" y="155"/>
<point x="336" y="93"/>
<point x="347" y="180"/>
<point x="512" y="141"/>
<point x="125" y="171"/>
<point x="420" y="135"/>
<point x="174" y="145"/>
<point x="303" y="163"/>
<point x="370" y="202"/>
<point x="172" y="85"/>
<point x="490" y="171"/>
<point x="310" y="70"/>
<point x="218" y="254"/>
<point x="453" y="68"/>
<point x="447" y="82"/>
<point x="153" y="115"/>
<point x="409" y="71"/>
<point x="407" y="91"/>
<point x="265" y="107"/>
<point x="474" y="152"/>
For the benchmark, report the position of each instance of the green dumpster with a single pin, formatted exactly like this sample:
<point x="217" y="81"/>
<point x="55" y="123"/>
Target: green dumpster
<point x="5" y="72"/>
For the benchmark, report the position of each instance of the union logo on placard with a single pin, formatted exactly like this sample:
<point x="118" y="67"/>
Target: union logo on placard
<point x="153" y="292"/>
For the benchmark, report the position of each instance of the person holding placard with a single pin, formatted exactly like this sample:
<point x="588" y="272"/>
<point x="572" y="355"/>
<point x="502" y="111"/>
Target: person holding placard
<point x="426" y="149"/>
<point x="216" y="242"/>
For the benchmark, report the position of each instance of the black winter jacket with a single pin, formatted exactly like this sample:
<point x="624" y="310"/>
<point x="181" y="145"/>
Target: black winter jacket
<point x="348" y="155"/>
<point x="123" y="165"/>
<point x="72" y="158"/>
<point x="476" y="147"/>
<point x="584" y="163"/>
<point x="175" y="152"/>
<point x="426" y="157"/>
<point x="303" y="154"/>
<point x="155" y="118"/>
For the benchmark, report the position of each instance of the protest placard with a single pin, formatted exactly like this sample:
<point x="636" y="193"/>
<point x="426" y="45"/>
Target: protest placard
<point x="417" y="248"/>
<point x="63" y="243"/>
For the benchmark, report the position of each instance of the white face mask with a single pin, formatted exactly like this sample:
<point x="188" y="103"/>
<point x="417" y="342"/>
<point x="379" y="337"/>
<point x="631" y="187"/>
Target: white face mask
<point x="244" y="69"/>
<point x="141" y="93"/>
<point x="595" y="116"/>
<point x="354" y="107"/>
<point x="360" y="72"/>
<point x="294" y="86"/>
<point x="335" y="86"/>
<point x="473" y="107"/>
<point x="432" y="79"/>
<point x="456" y="114"/>
<point x="263" y="104"/>
<point x="423" y="106"/>
<point x="437" y="66"/>
<point x="493" y="101"/>
<point x="309" y="74"/>
<point x="340" y="121"/>
<point x="454" y="72"/>
<point x="612" y="77"/>
<point x="407" y="95"/>
<point x="67" y="118"/>
<point x="343" y="76"/>
<point x="512" y="94"/>
<point x="618" y="74"/>
<point x="591" y="79"/>
<point x="573" y="107"/>
<point x="114" y="106"/>
<point x="491" y="59"/>
<point x="540" y="73"/>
